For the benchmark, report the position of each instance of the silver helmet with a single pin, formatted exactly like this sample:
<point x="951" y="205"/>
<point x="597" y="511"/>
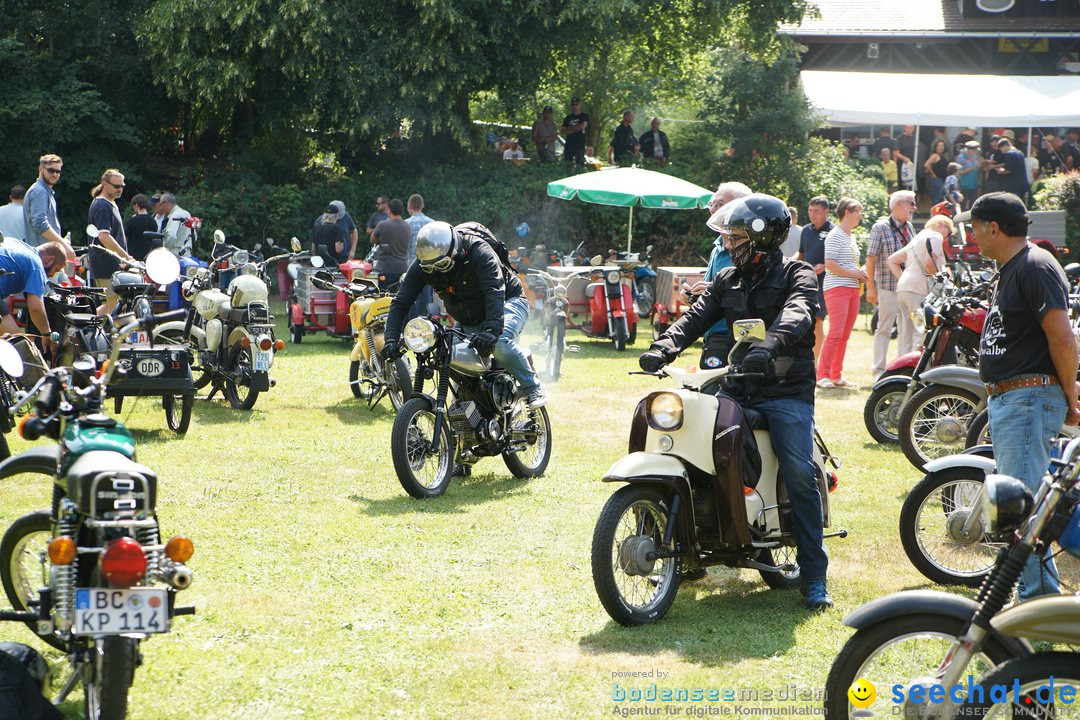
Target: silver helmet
<point x="435" y="247"/>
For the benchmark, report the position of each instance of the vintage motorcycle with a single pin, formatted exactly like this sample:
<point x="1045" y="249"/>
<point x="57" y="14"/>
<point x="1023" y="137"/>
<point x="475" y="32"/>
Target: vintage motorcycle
<point x="477" y="412"/>
<point x="924" y="637"/>
<point x="702" y="488"/>
<point x="551" y="295"/>
<point x="90" y="576"/>
<point x="232" y="344"/>
<point x="369" y="307"/>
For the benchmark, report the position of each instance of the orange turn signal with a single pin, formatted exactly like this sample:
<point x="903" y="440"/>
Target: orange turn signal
<point x="104" y="367"/>
<point x="245" y="342"/>
<point x="279" y="345"/>
<point x="179" y="549"/>
<point x="61" y="550"/>
<point x="265" y="343"/>
<point x="22" y="423"/>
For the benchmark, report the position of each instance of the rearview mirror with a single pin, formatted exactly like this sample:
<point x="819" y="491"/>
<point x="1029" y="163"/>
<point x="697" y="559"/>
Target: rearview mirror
<point x="317" y="261"/>
<point x="219" y="237"/>
<point x="295" y="245"/>
<point x="192" y="271"/>
<point x="92" y="231"/>
<point x="324" y="275"/>
<point x="749" y="330"/>
<point x="596" y="260"/>
<point x="162" y="266"/>
<point x="11" y="361"/>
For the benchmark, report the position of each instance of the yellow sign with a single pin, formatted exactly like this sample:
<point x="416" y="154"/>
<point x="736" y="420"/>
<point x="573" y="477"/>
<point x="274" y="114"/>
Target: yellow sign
<point x="1015" y="45"/>
<point x="862" y="694"/>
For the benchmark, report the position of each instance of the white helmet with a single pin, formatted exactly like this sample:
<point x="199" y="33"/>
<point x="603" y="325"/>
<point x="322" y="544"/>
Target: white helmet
<point x="435" y="247"/>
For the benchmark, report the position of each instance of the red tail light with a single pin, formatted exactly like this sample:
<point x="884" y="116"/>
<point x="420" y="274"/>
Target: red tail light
<point x="123" y="562"/>
<point x="265" y="343"/>
<point x="834" y="480"/>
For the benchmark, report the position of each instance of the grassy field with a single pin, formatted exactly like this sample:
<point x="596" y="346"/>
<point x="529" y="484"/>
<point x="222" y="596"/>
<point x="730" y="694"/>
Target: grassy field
<point x="324" y="591"/>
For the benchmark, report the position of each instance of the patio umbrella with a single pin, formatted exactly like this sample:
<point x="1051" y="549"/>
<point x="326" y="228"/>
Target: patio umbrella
<point x="627" y="187"/>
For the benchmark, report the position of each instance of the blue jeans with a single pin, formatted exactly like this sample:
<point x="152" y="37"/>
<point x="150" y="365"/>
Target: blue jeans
<point x="1022" y="424"/>
<point x="507" y="352"/>
<point x="937" y="190"/>
<point x="420" y="307"/>
<point x="791" y="426"/>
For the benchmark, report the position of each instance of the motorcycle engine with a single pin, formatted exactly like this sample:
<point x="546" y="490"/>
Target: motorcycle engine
<point x="503" y="391"/>
<point x="464" y="417"/>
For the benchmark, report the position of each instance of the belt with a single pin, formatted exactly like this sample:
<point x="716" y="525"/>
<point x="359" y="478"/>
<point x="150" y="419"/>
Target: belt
<point x="1029" y="381"/>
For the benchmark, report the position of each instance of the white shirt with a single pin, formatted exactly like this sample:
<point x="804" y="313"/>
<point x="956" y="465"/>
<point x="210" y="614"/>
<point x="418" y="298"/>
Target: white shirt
<point x="913" y="279"/>
<point x="790" y="246"/>
<point x="177" y="235"/>
<point x="12" y="221"/>
<point x="511" y="154"/>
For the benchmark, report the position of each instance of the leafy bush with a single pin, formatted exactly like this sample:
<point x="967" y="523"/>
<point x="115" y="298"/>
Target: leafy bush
<point x="1062" y="192"/>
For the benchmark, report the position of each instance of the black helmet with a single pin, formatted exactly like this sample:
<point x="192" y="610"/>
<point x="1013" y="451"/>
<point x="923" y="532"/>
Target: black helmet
<point x="764" y="218"/>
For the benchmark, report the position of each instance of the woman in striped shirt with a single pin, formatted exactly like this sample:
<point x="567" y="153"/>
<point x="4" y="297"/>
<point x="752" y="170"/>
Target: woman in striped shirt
<point x="842" y="279"/>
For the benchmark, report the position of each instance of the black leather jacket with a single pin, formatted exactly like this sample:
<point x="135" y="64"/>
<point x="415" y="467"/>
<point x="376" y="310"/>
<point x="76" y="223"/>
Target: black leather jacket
<point x="785" y="297"/>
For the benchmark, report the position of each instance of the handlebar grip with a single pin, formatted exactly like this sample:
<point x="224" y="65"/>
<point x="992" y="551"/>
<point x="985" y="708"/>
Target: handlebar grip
<point x="151" y="320"/>
<point x="48" y="397"/>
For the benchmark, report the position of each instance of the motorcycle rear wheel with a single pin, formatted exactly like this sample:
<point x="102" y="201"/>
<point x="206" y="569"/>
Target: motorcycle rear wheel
<point x="360" y="390"/>
<point x="107" y="697"/>
<point x="934" y="423"/>
<point x="979" y="430"/>
<point x="21" y="568"/>
<point x="896" y="650"/>
<point x="1033" y="671"/>
<point x="420" y="474"/>
<point x="647" y="291"/>
<point x="241" y="397"/>
<point x="783" y="555"/>
<point x="882" y="411"/>
<point x="533" y="460"/>
<point x="632" y="518"/>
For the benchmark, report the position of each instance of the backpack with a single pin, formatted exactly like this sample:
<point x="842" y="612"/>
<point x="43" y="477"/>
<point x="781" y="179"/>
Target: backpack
<point x="23" y="677"/>
<point x="474" y="231"/>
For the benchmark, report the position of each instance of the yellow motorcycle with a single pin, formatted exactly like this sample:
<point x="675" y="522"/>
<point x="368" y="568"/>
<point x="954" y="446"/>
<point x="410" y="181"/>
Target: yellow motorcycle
<point x="369" y="378"/>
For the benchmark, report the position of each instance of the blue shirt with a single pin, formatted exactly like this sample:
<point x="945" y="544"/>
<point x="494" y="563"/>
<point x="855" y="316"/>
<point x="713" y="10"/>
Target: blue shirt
<point x="415" y="223"/>
<point x="12" y="222"/>
<point x="39" y="211"/>
<point x="718" y="260"/>
<point x="25" y="273"/>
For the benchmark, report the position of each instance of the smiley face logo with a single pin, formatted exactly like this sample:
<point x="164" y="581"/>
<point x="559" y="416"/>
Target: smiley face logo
<point x="862" y="694"/>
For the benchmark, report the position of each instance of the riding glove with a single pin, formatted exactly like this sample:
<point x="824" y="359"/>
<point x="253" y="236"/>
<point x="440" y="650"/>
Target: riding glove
<point x="484" y="342"/>
<point x="757" y="360"/>
<point x="391" y="350"/>
<point x="652" y="360"/>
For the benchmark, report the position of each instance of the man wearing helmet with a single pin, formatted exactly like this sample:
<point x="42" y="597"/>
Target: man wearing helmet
<point x="467" y="274"/>
<point x="762" y="283"/>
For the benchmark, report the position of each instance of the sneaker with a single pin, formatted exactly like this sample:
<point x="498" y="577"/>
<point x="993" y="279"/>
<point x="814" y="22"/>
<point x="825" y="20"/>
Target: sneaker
<point x="842" y="383"/>
<point x="825" y="383"/>
<point x="537" y="397"/>
<point x="817" y="596"/>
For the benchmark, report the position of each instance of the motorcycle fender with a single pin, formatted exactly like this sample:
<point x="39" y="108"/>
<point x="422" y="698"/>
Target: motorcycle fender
<point x="907" y="360"/>
<point x="196" y="332"/>
<point x="645" y="468"/>
<point x="987" y="465"/>
<point x="42" y="459"/>
<point x="899" y="381"/>
<point x="238" y="333"/>
<point x="1050" y="618"/>
<point x="933" y="602"/>
<point x="956" y="376"/>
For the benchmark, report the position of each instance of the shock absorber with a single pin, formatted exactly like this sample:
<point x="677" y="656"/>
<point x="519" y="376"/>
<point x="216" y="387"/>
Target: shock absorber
<point x="64" y="576"/>
<point x="150" y="537"/>
<point x="370" y="337"/>
<point x="440" y="408"/>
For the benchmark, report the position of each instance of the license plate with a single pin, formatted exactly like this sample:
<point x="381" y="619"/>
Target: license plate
<point x="263" y="359"/>
<point x="108" y="611"/>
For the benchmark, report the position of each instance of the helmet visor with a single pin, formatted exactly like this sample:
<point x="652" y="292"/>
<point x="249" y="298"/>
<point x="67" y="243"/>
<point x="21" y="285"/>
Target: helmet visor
<point x="439" y="265"/>
<point x="717" y="220"/>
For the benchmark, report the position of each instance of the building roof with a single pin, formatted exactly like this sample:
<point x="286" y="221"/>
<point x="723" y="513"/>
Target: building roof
<point x="922" y="18"/>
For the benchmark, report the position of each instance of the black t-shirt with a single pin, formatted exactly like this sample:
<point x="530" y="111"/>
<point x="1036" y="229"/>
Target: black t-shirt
<point x="623" y="141"/>
<point x="105" y="216"/>
<point x="327" y="235"/>
<point x="393" y="235"/>
<point x="138" y="245"/>
<point x="575" y="142"/>
<point x="1013" y="342"/>
<point x="812" y="243"/>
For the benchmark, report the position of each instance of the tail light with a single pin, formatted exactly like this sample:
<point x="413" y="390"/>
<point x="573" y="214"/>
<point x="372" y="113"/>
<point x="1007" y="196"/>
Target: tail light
<point x="834" y="480"/>
<point x="279" y="345"/>
<point x="245" y="342"/>
<point x="265" y="343"/>
<point x="123" y="562"/>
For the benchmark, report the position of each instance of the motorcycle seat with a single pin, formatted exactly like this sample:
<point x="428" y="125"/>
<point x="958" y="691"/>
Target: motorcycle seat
<point x="755" y="419"/>
<point x="233" y="315"/>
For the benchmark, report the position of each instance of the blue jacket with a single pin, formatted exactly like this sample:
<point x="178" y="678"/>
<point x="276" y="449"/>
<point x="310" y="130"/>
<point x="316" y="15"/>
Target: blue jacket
<point x="718" y="260"/>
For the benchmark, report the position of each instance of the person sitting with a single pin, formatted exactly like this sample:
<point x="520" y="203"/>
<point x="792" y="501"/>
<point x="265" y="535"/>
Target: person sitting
<point x="514" y="151"/>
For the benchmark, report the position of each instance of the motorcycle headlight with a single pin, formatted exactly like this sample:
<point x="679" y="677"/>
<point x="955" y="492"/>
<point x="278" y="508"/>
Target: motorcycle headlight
<point x="560" y="291"/>
<point x="613" y="276"/>
<point x="664" y="411"/>
<point x="240" y="257"/>
<point x="419" y="335"/>
<point x="249" y="269"/>
<point x="1006" y="502"/>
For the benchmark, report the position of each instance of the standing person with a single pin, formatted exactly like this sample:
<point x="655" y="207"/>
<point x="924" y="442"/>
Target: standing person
<point x="105" y="216"/>
<point x="884" y="140"/>
<point x="812" y="250"/>
<point x="888" y="235"/>
<point x="345" y="220"/>
<point x="654" y="143"/>
<point x="12" y="215"/>
<point x="1027" y="355"/>
<point x="417" y="219"/>
<point x="174" y="226"/>
<point x="393" y="235"/>
<point x="790" y="246"/>
<point x="376" y="217"/>
<point x="139" y="223"/>
<point x="906" y="153"/>
<point x="159" y="216"/>
<point x="952" y="184"/>
<point x="1012" y="171"/>
<point x="842" y="278"/>
<point x="888" y="166"/>
<point x="624" y="146"/>
<point x="330" y="234"/>
<point x="937" y="169"/>
<point x="912" y="265"/>
<point x="545" y="135"/>
<point x="39" y="205"/>
<point x="573" y="130"/>
<point x="970" y="162"/>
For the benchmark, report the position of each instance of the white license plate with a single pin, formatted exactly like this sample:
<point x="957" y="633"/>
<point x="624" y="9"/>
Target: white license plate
<point x="108" y="611"/>
<point x="263" y="358"/>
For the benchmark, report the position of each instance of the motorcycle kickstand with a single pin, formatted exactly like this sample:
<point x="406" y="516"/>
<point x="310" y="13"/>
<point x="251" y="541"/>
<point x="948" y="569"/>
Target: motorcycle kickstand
<point x="214" y="390"/>
<point x="76" y="677"/>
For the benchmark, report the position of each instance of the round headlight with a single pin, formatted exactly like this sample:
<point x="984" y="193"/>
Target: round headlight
<point x="560" y="291"/>
<point x="249" y="269"/>
<point x="419" y="335"/>
<point x="665" y="411"/>
<point x="1006" y="502"/>
<point x="240" y="257"/>
<point x="613" y="276"/>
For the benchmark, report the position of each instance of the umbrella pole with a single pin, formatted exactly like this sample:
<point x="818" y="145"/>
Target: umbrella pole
<point x="630" y="229"/>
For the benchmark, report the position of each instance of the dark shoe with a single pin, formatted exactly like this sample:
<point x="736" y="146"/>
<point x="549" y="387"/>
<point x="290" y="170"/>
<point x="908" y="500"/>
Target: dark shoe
<point x="537" y="398"/>
<point x="817" y="596"/>
<point x="694" y="575"/>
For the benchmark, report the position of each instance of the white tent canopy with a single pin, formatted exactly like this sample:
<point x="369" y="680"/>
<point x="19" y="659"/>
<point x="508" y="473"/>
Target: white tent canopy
<point x="864" y="98"/>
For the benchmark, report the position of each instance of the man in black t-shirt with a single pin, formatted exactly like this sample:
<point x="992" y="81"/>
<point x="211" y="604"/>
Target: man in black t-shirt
<point x="812" y="250"/>
<point x="141" y="222"/>
<point x="1027" y="355"/>
<point x="573" y="130"/>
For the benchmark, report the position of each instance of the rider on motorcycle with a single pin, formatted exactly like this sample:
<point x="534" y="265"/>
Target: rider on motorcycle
<point x="488" y="301"/>
<point x="762" y="283"/>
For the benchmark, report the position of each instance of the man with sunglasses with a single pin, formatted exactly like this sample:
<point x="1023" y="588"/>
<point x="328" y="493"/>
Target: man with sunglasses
<point x="39" y="206"/>
<point x="105" y="216"/>
<point x="488" y="301"/>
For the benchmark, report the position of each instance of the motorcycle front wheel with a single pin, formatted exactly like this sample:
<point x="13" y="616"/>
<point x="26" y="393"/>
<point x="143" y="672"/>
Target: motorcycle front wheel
<point x="785" y="579"/>
<point x="934" y="423"/>
<point x="106" y="695"/>
<point x="979" y="430"/>
<point x="240" y="396"/>
<point x="420" y="473"/>
<point x="360" y="390"/>
<point x="633" y="590"/>
<point x="932" y="523"/>
<point x="647" y="291"/>
<point x="24" y="566"/>
<point x="1057" y="669"/>
<point x="619" y="338"/>
<point x="532" y="427"/>
<point x="896" y="651"/>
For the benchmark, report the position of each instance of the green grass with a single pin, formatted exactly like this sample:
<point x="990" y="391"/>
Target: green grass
<point x="324" y="591"/>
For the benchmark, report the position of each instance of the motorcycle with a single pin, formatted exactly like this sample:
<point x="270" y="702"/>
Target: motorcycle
<point x="643" y="283"/>
<point x="234" y="347"/>
<point x="702" y="488"/>
<point x="369" y="307"/>
<point x="551" y="297"/>
<point x="891" y="644"/>
<point x="477" y="412"/>
<point x="90" y="576"/>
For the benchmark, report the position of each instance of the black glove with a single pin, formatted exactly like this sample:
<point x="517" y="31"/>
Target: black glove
<point x="391" y="350"/>
<point x="652" y="360"/>
<point x="484" y="342"/>
<point x="757" y="360"/>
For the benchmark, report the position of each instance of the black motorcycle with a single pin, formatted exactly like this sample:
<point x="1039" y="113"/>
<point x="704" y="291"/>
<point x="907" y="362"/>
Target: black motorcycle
<point x="477" y="412"/>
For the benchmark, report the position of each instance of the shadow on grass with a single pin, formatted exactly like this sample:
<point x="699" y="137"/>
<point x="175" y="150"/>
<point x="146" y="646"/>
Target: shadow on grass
<point x="462" y="492"/>
<point x="720" y="620"/>
<point x="354" y="410"/>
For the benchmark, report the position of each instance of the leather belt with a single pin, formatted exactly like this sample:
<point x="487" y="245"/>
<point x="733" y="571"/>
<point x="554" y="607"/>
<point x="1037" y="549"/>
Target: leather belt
<point x="1030" y="381"/>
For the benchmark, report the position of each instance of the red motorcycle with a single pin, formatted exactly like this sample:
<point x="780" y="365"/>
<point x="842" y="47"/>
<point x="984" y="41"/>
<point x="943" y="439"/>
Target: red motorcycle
<point x="601" y="302"/>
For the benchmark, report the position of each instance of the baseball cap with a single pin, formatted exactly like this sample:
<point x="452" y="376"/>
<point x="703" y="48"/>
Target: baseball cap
<point x="547" y="108"/>
<point x="154" y="199"/>
<point x="972" y="144"/>
<point x="1004" y="208"/>
<point x="331" y="210"/>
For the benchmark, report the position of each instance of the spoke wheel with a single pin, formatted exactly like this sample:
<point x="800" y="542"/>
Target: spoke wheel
<point x="178" y="411"/>
<point x="420" y="473"/>
<point x="632" y="588"/>
<point x="533" y="428"/>
<point x="24" y="564"/>
<point x="240" y="396"/>
<point x="647" y="291"/>
<point x="934" y="423"/>
<point x="360" y="390"/>
<point x="1062" y="669"/>
<point x="979" y="432"/>
<point x="881" y="414"/>
<point x="785" y="579"/>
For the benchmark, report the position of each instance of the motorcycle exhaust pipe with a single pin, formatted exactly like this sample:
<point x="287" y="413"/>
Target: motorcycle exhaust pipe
<point x="179" y="576"/>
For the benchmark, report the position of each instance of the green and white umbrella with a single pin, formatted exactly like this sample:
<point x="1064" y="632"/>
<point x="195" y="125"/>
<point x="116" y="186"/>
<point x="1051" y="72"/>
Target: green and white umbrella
<point x="627" y="187"/>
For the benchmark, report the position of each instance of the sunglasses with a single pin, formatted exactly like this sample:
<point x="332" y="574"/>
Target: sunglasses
<point x="53" y="171"/>
<point x="441" y="265"/>
<point x="118" y="187"/>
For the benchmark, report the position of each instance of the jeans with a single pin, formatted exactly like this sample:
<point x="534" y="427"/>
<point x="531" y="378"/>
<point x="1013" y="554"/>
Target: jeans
<point x="507" y="352"/>
<point x="791" y="427"/>
<point x="420" y="307"/>
<point x="937" y="190"/>
<point x="887" y="312"/>
<point x="1023" y="422"/>
<point x="843" y="303"/>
